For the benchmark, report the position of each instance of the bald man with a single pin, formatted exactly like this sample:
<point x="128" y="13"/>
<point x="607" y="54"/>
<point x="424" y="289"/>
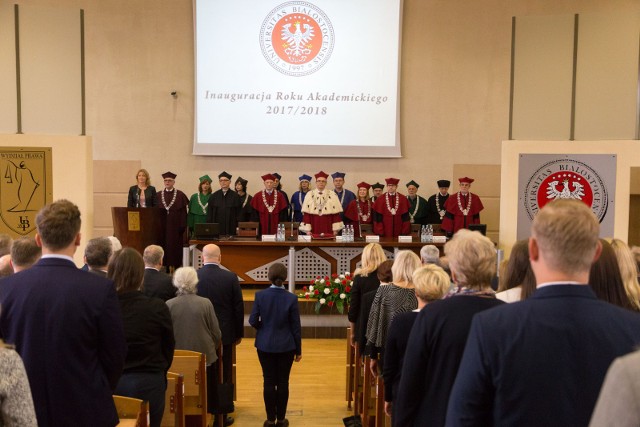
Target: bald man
<point x="222" y="288"/>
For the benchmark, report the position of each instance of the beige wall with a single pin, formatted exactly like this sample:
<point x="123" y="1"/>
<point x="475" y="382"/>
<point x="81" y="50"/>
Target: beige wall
<point x="72" y="173"/>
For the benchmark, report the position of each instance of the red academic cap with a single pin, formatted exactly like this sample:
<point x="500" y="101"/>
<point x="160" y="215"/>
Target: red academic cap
<point x="321" y="174"/>
<point x="364" y="185"/>
<point x="466" y="179"/>
<point x="392" y="181"/>
<point x="169" y="175"/>
<point x="268" y="176"/>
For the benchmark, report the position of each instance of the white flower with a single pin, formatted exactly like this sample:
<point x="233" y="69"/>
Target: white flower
<point x="343" y="296"/>
<point x="346" y="273"/>
<point x="311" y="288"/>
<point x="327" y="291"/>
<point x="337" y="280"/>
<point x="322" y="281"/>
<point x="322" y="301"/>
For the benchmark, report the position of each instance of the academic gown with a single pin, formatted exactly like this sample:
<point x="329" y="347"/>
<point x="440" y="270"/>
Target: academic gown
<point x="197" y="213"/>
<point x="246" y="210"/>
<point x="269" y="220"/>
<point x="321" y="213"/>
<point x="455" y="219"/>
<point x="175" y="236"/>
<point x="433" y="215"/>
<point x="363" y="216"/>
<point x="297" y="200"/>
<point x="224" y="209"/>
<point x="388" y="224"/>
<point x="345" y="197"/>
<point x="417" y="210"/>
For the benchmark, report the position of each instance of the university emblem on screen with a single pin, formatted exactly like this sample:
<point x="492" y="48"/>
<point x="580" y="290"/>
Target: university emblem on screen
<point x="23" y="187"/>
<point x="566" y="179"/>
<point x="297" y="38"/>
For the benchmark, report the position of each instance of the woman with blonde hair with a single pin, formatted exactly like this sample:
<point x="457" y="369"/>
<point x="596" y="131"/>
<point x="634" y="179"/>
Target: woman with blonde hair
<point x="431" y="283"/>
<point x="440" y="331"/>
<point x="143" y="194"/>
<point x="628" y="270"/>
<point x="365" y="280"/>
<point x="390" y="300"/>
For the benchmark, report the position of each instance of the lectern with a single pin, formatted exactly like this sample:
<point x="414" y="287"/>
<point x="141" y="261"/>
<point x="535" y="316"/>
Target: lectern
<point x="139" y="227"/>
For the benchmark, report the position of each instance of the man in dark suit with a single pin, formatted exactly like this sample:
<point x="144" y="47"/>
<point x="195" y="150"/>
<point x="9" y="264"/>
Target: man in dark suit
<point x="97" y="254"/>
<point x="222" y="288"/>
<point x="67" y="327"/>
<point x="542" y="361"/>
<point x="156" y="284"/>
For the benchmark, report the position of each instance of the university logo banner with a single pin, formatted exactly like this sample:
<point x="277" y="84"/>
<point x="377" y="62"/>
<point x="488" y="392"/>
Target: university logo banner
<point x="590" y="178"/>
<point x="25" y="187"/>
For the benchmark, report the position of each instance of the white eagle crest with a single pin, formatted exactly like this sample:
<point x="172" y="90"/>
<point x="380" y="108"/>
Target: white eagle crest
<point x="297" y="41"/>
<point x="565" y="193"/>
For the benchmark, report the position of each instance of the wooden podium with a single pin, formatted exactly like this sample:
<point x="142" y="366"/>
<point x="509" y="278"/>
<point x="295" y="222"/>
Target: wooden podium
<point x="139" y="227"/>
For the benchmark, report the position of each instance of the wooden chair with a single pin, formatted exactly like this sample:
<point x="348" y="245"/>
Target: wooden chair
<point x="366" y="230"/>
<point x="368" y="396"/>
<point x="380" y="415"/>
<point x="287" y="229"/>
<point x="219" y="417"/>
<point x="415" y="230"/>
<point x="350" y="390"/>
<point x="174" y="401"/>
<point x="131" y="412"/>
<point x="358" y="380"/>
<point x="248" y="230"/>
<point x="191" y="365"/>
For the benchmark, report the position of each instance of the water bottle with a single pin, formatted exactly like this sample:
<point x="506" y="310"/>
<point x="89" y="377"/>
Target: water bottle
<point x="423" y="234"/>
<point x="429" y="233"/>
<point x="280" y="234"/>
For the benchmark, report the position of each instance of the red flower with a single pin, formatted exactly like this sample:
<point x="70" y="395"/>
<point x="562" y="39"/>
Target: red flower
<point x="334" y="275"/>
<point x="317" y="278"/>
<point x="347" y="289"/>
<point x="344" y="282"/>
<point x="316" y="292"/>
<point x="336" y="290"/>
<point x="304" y="288"/>
<point x="330" y="303"/>
<point x="307" y="296"/>
<point x="312" y="282"/>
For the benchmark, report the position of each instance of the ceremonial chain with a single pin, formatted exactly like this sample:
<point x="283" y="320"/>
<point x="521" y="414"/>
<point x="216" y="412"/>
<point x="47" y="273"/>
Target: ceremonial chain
<point x="246" y="198"/>
<point x="440" y="212"/>
<point x="300" y="198"/>
<point x="415" y="211"/>
<point x="364" y="217"/>
<point x="321" y="201"/>
<point x="341" y="198"/>
<point x="275" y="200"/>
<point x="204" y="207"/>
<point x="465" y="212"/>
<point x="175" y="194"/>
<point x="395" y="208"/>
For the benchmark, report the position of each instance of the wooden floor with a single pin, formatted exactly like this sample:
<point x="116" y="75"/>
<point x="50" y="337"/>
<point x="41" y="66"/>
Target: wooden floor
<point x="316" y="386"/>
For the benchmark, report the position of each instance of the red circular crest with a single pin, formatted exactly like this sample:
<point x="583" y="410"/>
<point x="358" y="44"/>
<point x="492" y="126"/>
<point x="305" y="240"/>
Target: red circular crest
<point x="297" y="38"/>
<point x="564" y="185"/>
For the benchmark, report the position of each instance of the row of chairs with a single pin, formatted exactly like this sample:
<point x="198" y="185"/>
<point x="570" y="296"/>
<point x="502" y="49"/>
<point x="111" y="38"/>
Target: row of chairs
<point x="185" y="397"/>
<point x="364" y="392"/>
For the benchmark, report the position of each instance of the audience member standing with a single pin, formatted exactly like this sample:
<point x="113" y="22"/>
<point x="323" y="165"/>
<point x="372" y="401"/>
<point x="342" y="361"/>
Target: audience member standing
<point x="16" y="404"/>
<point x="24" y="253"/>
<point x="440" y="331"/>
<point x="365" y="280"/>
<point x="149" y="334"/>
<point x="628" y="271"/>
<point x="221" y="287"/>
<point x="605" y="278"/>
<point x="542" y="361"/>
<point x="97" y="254"/>
<point x="156" y="283"/>
<point x="276" y="317"/>
<point x="195" y="325"/>
<point x="224" y="206"/>
<point x="66" y="325"/>
<point x="431" y="283"/>
<point x="518" y="282"/>
<point x="394" y="298"/>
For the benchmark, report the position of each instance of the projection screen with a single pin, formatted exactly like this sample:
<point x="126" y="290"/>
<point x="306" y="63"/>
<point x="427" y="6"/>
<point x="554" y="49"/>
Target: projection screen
<point x="297" y="78"/>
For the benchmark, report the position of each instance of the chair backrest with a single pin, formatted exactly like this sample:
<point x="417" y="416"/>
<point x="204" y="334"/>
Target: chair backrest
<point x="131" y="412"/>
<point x="174" y="401"/>
<point x="248" y="229"/>
<point x="415" y="230"/>
<point x="191" y="365"/>
<point x="366" y="229"/>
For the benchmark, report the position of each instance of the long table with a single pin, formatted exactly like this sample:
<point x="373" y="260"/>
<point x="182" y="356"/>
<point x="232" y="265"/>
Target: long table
<point x="250" y="259"/>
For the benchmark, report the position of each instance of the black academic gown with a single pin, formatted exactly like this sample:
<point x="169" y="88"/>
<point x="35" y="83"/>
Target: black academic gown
<point x="224" y="209"/>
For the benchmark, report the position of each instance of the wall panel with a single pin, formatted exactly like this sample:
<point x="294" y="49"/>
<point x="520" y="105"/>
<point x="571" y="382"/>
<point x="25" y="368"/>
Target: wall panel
<point x="8" y="106"/>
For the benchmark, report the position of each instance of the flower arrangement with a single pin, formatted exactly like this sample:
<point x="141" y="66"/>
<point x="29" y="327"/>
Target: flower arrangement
<point x="332" y="292"/>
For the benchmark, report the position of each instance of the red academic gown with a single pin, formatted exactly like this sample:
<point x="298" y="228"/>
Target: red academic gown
<point x="366" y="209"/>
<point x="269" y="220"/>
<point x="175" y="236"/>
<point x="454" y="219"/>
<point x="387" y="224"/>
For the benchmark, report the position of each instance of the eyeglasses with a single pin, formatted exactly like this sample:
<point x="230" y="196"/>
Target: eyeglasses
<point x="224" y="179"/>
<point x="169" y="180"/>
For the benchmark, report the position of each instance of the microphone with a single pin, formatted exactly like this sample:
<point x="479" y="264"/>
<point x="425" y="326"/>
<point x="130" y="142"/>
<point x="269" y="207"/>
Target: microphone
<point x="292" y="218"/>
